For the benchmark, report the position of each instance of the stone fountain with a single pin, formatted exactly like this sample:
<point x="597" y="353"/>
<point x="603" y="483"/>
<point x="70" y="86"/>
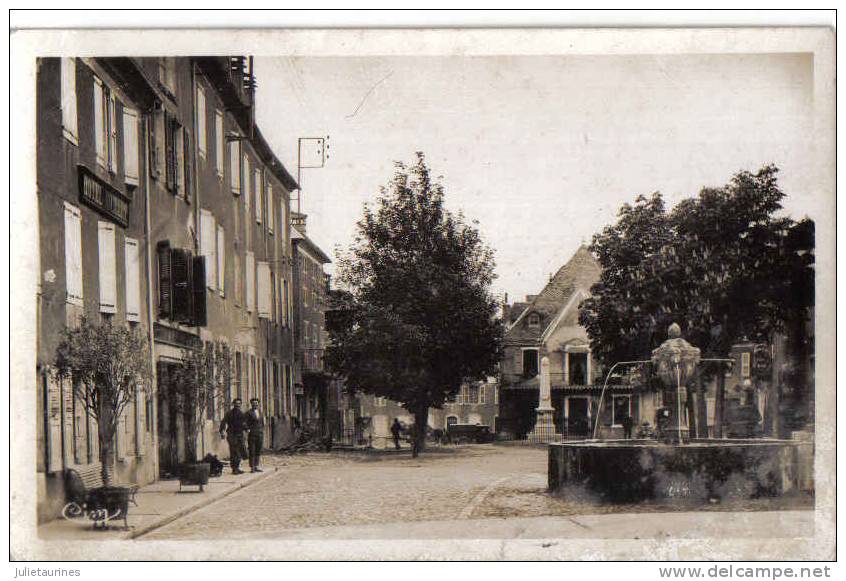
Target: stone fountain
<point x="701" y="470"/>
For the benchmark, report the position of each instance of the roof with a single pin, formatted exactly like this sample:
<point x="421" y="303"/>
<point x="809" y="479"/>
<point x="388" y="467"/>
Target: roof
<point x="309" y="246"/>
<point x="579" y="273"/>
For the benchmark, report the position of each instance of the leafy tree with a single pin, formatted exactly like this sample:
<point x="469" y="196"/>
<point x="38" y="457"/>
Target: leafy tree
<point x="196" y="384"/>
<point x="419" y="317"/>
<point x="108" y="365"/>
<point x="723" y="265"/>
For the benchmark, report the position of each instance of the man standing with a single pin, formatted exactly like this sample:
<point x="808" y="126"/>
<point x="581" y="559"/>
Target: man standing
<point x="232" y="428"/>
<point x="255" y="439"/>
<point x="396" y="428"/>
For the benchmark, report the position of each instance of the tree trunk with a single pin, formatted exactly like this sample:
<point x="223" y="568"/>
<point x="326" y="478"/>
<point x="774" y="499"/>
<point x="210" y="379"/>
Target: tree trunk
<point x="421" y="417"/>
<point x="690" y="405"/>
<point x="701" y="407"/>
<point x="719" y="404"/>
<point x="106" y="436"/>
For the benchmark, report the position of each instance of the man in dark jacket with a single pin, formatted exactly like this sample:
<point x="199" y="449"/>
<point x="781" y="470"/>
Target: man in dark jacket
<point x="396" y="428"/>
<point x="232" y="428"/>
<point x="255" y="439"/>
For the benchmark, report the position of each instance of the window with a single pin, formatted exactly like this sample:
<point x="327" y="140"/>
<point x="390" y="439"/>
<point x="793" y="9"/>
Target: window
<point x="220" y="143"/>
<point x="285" y="305"/>
<point x="530" y="362"/>
<point x="259" y="196"/>
<point x="201" y="122"/>
<point x="182" y="285"/>
<point x="105" y="132"/>
<point x="133" y="280"/>
<point x="208" y="240"/>
<point x="237" y="268"/>
<point x="238" y="373"/>
<point x="534" y="321"/>
<point x="577" y="368"/>
<point x="745" y="363"/>
<point x="621" y="408"/>
<point x="251" y="282"/>
<point x="235" y="167"/>
<point x="70" y="118"/>
<point x="73" y="254"/>
<point x="221" y="259"/>
<point x="380" y="402"/>
<point x="130" y="146"/>
<point x="264" y="296"/>
<point x="108" y="267"/>
<point x="174" y="162"/>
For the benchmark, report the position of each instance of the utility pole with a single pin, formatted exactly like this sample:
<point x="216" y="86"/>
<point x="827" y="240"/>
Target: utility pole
<point x="312" y="153"/>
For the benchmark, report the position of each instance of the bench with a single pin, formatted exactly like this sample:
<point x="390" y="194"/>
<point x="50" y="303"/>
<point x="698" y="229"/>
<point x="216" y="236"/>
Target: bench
<point x="86" y="494"/>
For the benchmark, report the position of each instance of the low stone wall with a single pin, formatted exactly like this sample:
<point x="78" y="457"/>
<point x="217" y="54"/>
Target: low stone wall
<point x="633" y="470"/>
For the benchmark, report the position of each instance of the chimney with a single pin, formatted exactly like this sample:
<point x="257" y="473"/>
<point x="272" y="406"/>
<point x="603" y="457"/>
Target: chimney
<point x="298" y="221"/>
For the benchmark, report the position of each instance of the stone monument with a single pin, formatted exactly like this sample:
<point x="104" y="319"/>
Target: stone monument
<point x="544" y="430"/>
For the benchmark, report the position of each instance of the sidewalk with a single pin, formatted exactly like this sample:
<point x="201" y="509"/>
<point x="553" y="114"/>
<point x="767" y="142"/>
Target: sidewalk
<point x="158" y="504"/>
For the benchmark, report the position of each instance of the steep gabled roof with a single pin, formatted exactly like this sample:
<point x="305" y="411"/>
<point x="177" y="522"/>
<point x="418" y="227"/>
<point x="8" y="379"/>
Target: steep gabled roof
<point x="580" y="272"/>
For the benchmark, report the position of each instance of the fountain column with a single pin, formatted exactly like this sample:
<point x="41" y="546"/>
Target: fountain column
<point x="544" y="430"/>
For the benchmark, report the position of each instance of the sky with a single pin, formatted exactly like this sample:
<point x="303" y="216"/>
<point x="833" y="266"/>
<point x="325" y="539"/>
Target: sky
<point x="541" y="150"/>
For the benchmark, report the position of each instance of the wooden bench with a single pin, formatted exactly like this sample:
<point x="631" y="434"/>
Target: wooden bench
<point x="84" y="485"/>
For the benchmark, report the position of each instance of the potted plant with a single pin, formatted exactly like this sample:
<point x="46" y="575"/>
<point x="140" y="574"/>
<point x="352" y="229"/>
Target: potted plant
<point x="109" y="366"/>
<point x="197" y="382"/>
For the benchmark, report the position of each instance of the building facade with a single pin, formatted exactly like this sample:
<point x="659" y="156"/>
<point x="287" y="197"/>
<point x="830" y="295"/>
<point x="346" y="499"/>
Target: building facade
<point x="161" y="207"/>
<point x="547" y="325"/>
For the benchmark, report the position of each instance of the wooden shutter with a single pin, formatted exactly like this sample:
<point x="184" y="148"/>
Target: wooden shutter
<point x="235" y="167"/>
<point x="264" y="290"/>
<point x="250" y="272"/>
<point x="133" y="280"/>
<point x="170" y="153"/>
<point x="201" y="121"/>
<point x="108" y="267"/>
<point x="208" y="239"/>
<point x="99" y="125"/>
<point x="73" y="254"/>
<point x="111" y="123"/>
<point x="221" y="259"/>
<point x="153" y="141"/>
<point x="181" y="162"/>
<point x="220" y="142"/>
<point x="165" y="281"/>
<point x="259" y="196"/>
<point x="70" y="119"/>
<point x="269" y="198"/>
<point x="185" y="170"/>
<point x="140" y="409"/>
<point x="130" y="146"/>
<point x="199" y="317"/>
<point x="180" y="260"/>
<point x="248" y="202"/>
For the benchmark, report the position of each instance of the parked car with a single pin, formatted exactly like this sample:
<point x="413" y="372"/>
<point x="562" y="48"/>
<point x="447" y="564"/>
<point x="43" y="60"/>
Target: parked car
<point x="461" y="433"/>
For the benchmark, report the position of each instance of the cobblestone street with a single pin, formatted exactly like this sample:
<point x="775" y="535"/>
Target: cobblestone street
<point x="444" y="484"/>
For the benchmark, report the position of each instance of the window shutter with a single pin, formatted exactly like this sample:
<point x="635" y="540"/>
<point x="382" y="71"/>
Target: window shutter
<point x="185" y="170"/>
<point x="130" y="146"/>
<point x="73" y="254"/>
<point x="140" y="407"/>
<point x="208" y="234"/>
<point x="180" y="160"/>
<point x="248" y="202"/>
<point x="70" y="118"/>
<point x="165" y="281"/>
<point x="133" y="280"/>
<point x="220" y="142"/>
<point x="259" y="196"/>
<point x="250" y="272"/>
<point x="269" y="198"/>
<point x="237" y="277"/>
<point x="99" y="126"/>
<point x="199" y="291"/>
<point x="180" y="261"/>
<point x="235" y="167"/>
<point x="108" y="267"/>
<point x="153" y="142"/>
<point x="201" y="121"/>
<point x="221" y="259"/>
<point x="170" y="149"/>
<point x="112" y="128"/>
<point x="264" y="290"/>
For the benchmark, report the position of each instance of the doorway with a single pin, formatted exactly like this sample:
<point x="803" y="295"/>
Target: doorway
<point x="577" y="417"/>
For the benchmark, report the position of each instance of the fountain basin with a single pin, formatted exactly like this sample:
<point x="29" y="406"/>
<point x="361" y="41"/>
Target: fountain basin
<point x="702" y="470"/>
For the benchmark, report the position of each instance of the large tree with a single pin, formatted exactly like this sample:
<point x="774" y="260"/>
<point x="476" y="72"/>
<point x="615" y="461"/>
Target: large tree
<point x="724" y="265"/>
<point x="419" y="318"/>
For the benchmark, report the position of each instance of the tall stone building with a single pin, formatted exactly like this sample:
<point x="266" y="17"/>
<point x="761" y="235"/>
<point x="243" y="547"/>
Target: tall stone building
<point x="161" y="207"/>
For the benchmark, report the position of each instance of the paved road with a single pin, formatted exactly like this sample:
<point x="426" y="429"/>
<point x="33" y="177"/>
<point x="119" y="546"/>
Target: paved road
<point x="395" y="495"/>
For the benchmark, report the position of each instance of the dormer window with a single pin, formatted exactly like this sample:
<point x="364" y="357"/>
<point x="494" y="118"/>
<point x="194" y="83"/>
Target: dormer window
<point x="534" y="321"/>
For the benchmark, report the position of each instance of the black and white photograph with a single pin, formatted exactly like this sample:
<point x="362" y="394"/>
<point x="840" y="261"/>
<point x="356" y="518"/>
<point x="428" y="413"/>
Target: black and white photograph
<point x="465" y="294"/>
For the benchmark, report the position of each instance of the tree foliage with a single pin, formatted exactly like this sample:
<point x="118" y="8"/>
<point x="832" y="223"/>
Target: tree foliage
<point x="109" y="365"/>
<point x="196" y="385"/>
<point x="724" y="265"/>
<point x="419" y="317"/>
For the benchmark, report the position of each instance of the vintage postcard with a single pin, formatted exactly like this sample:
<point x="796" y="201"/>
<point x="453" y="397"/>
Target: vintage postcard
<point x="468" y="294"/>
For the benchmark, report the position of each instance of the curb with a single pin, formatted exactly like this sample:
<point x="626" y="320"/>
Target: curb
<point x="167" y="519"/>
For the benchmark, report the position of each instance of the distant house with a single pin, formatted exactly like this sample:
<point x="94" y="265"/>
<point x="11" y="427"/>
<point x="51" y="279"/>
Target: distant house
<point x="547" y="325"/>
